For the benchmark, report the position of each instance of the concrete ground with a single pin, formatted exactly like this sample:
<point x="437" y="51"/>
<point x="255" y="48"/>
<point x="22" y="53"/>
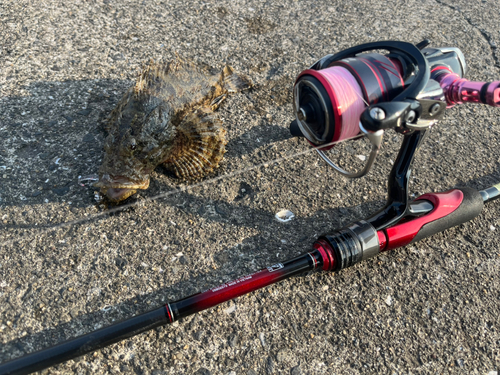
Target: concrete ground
<point x="67" y="267"/>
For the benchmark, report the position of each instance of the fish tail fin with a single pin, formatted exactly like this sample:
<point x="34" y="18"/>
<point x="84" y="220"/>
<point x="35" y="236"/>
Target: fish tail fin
<point x="234" y="82"/>
<point x="200" y="146"/>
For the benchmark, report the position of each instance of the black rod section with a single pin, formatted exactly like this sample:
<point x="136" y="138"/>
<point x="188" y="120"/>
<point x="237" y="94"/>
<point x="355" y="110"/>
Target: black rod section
<point x="86" y="343"/>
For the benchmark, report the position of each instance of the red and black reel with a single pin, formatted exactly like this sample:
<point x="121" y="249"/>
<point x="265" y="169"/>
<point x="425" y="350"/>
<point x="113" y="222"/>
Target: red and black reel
<point x="331" y="96"/>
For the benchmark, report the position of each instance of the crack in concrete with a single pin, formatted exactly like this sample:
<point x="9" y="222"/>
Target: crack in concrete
<point x="486" y="35"/>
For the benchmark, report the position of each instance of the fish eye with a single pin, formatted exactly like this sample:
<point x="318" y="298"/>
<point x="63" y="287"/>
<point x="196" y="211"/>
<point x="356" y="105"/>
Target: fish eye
<point x="133" y="144"/>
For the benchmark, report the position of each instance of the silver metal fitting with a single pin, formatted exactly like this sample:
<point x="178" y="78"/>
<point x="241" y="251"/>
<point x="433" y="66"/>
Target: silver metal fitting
<point x="376" y="141"/>
<point x="301" y="114"/>
<point x="410" y="116"/>
<point x="434" y="109"/>
<point x="367" y="236"/>
<point x="377" y="113"/>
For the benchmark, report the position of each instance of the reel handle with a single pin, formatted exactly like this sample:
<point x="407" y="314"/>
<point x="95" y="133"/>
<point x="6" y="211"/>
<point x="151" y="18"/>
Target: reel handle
<point x="460" y="90"/>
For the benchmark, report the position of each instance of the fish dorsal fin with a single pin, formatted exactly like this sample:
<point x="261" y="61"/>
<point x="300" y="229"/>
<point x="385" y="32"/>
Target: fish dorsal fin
<point x="200" y="145"/>
<point x="150" y="74"/>
<point x="155" y="73"/>
<point x="234" y="82"/>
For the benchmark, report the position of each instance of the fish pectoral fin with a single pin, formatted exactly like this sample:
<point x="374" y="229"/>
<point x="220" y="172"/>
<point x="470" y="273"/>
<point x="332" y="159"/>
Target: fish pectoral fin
<point x="234" y="82"/>
<point x="200" y="145"/>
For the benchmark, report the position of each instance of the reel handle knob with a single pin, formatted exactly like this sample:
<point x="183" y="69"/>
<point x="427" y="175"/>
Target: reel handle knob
<point x="459" y="90"/>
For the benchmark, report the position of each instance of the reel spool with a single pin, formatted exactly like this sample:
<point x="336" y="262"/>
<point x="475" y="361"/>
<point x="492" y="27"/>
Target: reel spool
<point x="328" y="102"/>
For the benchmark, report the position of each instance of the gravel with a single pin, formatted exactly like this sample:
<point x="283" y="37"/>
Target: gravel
<point x="69" y="266"/>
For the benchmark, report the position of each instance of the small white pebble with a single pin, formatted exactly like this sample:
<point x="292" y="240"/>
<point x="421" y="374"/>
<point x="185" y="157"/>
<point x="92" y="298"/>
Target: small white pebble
<point x="284" y="216"/>
<point x="262" y="339"/>
<point x="361" y="157"/>
<point x="230" y="309"/>
<point x="492" y="227"/>
<point x="388" y="300"/>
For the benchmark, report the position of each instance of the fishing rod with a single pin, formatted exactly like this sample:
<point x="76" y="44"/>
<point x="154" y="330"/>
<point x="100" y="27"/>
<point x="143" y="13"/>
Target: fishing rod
<point x="352" y="92"/>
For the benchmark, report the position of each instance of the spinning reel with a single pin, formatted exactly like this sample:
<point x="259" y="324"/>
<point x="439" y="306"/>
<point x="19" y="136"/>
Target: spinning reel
<point x="408" y="90"/>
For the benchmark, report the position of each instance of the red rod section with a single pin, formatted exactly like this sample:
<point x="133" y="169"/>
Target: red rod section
<point x="243" y="285"/>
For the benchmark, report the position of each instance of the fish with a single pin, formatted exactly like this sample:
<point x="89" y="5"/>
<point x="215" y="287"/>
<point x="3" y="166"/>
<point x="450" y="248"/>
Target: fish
<point x="167" y="118"/>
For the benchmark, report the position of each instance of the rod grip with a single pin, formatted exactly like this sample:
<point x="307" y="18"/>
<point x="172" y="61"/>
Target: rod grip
<point x="451" y="208"/>
<point x="470" y="207"/>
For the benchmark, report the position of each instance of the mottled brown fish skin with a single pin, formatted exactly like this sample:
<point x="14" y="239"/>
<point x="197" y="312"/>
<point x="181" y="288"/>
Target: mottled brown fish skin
<point x="167" y="117"/>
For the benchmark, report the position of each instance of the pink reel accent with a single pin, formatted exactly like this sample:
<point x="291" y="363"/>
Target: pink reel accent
<point x="460" y="90"/>
<point x="349" y="99"/>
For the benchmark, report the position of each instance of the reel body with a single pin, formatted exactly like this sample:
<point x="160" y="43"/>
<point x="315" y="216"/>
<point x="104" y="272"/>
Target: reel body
<point x="353" y="92"/>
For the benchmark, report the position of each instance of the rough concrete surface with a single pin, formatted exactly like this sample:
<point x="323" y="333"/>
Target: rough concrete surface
<point x="432" y="307"/>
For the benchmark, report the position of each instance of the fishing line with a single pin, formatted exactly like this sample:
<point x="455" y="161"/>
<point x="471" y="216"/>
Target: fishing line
<point x="175" y="191"/>
<point x="348" y="99"/>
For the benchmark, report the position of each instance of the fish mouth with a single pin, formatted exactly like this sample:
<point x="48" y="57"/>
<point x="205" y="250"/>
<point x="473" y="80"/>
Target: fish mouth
<point x="120" y="188"/>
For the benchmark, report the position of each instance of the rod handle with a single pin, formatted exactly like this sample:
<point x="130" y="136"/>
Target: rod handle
<point x="451" y="208"/>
